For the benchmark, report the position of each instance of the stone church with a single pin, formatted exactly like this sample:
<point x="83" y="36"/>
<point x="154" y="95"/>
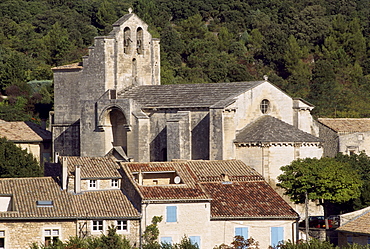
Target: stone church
<point x="113" y="104"/>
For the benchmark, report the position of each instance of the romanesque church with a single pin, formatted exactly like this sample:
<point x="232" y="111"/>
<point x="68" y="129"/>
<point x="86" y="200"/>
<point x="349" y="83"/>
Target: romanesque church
<point x="113" y="104"/>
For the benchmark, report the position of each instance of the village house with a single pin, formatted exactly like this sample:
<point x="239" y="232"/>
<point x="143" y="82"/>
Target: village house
<point x="112" y="103"/>
<point x="209" y="201"/>
<point x="43" y="209"/>
<point x="354" y="228"/>
<point x="345" y="135"/>
<point x="29" y="136"/>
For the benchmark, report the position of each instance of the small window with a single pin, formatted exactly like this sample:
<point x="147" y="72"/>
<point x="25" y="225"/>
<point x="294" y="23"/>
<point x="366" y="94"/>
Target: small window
<point x="114" y="183"/>
<point x="97" y="225"/>
<point x="265" y="106"/>
<point x="195" y="240"/>
<point x="241" y="231"/>
<point x="350" y="239"/>
<point x="166" y="240"/>
<point x="360" y="137"/>
<point x="92" y="184"/>
<point x="51" y="236"/>
<point x="121" y="225"/>
<point x="2" y="239"/>
<point x="277" y="236"/>
<point x="171" y="214"/>
<point x="44" y="203"/>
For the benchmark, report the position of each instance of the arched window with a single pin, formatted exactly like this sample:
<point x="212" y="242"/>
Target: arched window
<point x="265" y="106"/>
<point x="139" y="40"/>
<point x="126" y="40"/>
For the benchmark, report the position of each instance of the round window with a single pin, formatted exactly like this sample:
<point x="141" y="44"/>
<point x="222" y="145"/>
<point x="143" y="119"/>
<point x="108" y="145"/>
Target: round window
<point x="265" y="106"/>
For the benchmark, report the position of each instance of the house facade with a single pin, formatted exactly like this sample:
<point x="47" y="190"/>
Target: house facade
<point x="345" y="135"/>
<point x="354" y="228"/>
<point x="113" y="104"/>
<point x="209" y="201"/>
<point x="29" y="136"/>
<point x="43" y="209"/>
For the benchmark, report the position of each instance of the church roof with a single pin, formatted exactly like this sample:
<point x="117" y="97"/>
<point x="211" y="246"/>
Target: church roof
<point x="270" y="129"/>
<point x="217" y="95"/>
<point x="23" y="132"/>
<point x="347" y="124"/>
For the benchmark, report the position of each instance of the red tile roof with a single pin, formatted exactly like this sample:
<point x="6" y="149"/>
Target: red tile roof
<point x="253" y="199"/>
<point x="245" y="195"/>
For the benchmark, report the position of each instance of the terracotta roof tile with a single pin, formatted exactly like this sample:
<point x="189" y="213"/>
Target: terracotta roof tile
<point x="23" y="132"/>
<point x="93" y="167"/>
<point x="187" y="190"/>
<point x="27" y="191"/>
<point x="253" y="199"/>
<point x="347" y="124"/>
<point x="360" y="224"/>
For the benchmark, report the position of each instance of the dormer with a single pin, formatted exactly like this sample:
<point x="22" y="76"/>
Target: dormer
<point x="149" y="178"/>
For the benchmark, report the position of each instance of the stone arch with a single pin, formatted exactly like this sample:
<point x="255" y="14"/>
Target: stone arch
<point x="139" y="40"/>
<point x="115" y="125"/>
<point x="126" y="40"/>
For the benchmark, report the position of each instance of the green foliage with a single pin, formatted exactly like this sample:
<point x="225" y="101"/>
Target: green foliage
<point x="293" y="42"/>
<point x="361" y="164"/>
<point x="240" y="243"/>
<point x="317" y="244"/>
<point x="151" y="234"/>
<point x="110" y="241"/>
<point x="325" y="179"/>
<point x="311" y="244"/>
<point x="16" y="162"/>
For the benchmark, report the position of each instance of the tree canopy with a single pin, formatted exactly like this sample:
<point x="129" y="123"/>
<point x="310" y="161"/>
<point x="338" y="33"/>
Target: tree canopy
<point x="325" y="179"/>
<point x="316" y="50"/>
<point x="16" y="162"/>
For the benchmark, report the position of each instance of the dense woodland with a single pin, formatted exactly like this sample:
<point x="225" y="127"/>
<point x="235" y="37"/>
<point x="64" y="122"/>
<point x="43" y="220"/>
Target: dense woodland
<point x="314" y="49"/>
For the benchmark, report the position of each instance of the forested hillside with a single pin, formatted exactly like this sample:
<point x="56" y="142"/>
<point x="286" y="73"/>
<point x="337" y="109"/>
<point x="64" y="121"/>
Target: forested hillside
<point x="314" y="49"/>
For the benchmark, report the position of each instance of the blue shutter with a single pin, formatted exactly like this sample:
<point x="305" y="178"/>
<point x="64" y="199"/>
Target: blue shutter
<point x="195" y="240"/>
<point x="171" y="214"/>
<point x="277" y="235"/>
<point x="241" y="231"/>
<point x="166" y="240"/>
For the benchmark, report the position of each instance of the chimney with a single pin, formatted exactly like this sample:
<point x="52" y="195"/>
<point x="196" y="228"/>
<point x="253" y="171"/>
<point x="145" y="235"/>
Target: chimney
<point x="78" y="179"/>
<point x="140" y="177"/>
<point x="64" y="173"/>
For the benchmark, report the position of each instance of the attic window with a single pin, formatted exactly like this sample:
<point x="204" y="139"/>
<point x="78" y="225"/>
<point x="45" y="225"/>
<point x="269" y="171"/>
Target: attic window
<point x="265" y="106"/>
<point x="44" y="203"/>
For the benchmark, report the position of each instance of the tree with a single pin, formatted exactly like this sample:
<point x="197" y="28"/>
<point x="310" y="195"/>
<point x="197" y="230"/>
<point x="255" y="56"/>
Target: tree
<point x="16" y="162"/>
<point x="326" y="180"/>
<point x="151" y="234"/>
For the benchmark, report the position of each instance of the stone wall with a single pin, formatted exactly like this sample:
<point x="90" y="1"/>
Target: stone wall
<point x="21" y="234"/>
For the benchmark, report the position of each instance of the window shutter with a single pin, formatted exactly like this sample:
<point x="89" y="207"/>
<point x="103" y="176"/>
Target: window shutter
<point x="277" y="235"/>
<point x="195" y="240"/>
<point x="171" y="214"/>
<point x="241" y="231"/>
<point x="167" y="240"/>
